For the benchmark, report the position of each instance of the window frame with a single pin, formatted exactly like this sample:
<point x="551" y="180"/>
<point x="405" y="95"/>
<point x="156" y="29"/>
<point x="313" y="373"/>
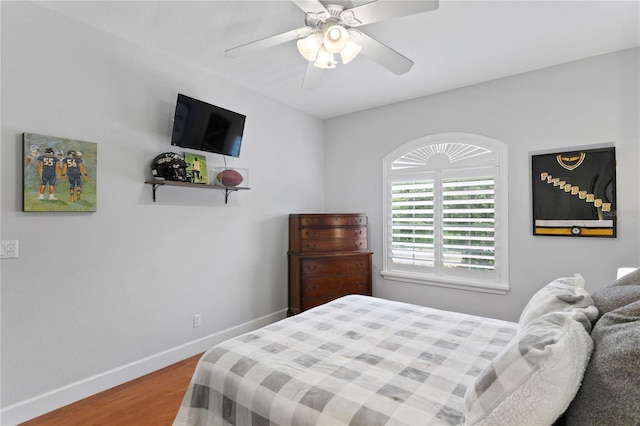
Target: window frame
<point x="496" y="160"/>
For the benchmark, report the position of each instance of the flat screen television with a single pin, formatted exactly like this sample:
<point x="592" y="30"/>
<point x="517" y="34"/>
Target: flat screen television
<point x="205" y="127"/>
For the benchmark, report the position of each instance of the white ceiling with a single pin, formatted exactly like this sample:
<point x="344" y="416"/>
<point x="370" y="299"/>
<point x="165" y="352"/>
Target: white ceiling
<point x="459" y="44"/>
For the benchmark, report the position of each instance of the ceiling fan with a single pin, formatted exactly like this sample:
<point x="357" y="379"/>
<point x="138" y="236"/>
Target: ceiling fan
<point x="331" y="29"/>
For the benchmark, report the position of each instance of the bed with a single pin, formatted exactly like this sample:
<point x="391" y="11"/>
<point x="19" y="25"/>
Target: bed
<point x="361" y="360"/>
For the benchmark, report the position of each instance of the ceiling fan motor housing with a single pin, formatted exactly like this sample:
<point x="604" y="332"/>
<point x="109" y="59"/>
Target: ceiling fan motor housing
<point x="316" y="20"/>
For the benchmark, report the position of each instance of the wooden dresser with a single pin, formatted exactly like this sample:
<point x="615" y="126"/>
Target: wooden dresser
<point x="328" y="258"/>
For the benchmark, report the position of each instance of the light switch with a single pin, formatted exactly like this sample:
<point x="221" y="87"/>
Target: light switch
<point x="9" y="249"/>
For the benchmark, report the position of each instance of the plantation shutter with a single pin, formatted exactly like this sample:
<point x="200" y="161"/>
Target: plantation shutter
<point x="468" y="223"/>
<point x="412" y="222"/>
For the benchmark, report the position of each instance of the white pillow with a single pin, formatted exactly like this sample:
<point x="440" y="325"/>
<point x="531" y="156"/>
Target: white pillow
<point x="562" y="294"/>
<point x="535" y="377"/>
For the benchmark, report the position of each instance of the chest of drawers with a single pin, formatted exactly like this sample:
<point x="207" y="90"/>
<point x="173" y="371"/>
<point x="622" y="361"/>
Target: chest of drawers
<point x="328" y="258"/>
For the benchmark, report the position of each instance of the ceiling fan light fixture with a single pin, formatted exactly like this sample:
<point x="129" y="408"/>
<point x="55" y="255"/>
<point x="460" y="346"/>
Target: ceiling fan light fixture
<point x="309" y="46"/>
<point x="325" y="59"/>
<point x="335" y="38"/>
<point x="350" y="51"/>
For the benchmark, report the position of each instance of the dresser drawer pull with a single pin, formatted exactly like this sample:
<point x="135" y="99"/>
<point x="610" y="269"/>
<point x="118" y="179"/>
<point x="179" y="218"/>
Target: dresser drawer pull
<point x="312" y="268"/>
<point x="360" y="264"/>
<point x="358" y="244"/>
<point x="312" y="287"/>
<point x="359" y="284"/>
<point x="310" y="246"/>
<point x="311" y="234"/>
<point x="357" y="232"/>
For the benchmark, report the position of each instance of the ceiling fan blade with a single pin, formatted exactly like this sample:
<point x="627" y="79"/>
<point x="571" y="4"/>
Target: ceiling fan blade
<point x="265" y="43"/>
<point x="312" y="77"/>
<point x="384" y="55"/>
<point x="310" y="6"/>
<point x="382" y="10"/>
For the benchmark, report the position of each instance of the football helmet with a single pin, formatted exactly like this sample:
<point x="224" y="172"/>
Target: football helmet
<point x="169" y="166"/>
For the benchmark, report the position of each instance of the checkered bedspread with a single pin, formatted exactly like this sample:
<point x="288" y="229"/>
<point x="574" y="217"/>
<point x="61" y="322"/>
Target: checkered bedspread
<point x="357" y="360"/>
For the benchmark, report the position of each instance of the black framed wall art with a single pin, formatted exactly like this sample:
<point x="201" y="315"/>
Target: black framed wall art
<point x="574" y="193"/>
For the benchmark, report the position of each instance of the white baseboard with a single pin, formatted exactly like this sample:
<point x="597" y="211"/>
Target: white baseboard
<point x="42" y="404"/>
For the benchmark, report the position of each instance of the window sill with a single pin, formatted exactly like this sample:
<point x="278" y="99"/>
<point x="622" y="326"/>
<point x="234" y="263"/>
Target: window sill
<point x="494" y="288"/>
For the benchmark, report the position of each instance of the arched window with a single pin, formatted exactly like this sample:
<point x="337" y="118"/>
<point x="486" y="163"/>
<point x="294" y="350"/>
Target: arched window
<point x="445" y="212"/>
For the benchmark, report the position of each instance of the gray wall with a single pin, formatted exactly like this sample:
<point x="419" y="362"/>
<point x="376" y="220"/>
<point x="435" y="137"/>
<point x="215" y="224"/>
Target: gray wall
<point x="585" y="103"/>
<point x="93" y="292"/>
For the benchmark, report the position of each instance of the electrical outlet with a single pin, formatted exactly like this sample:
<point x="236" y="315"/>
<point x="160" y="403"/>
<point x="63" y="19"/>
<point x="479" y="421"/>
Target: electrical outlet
<point x="9" y="249"/>
<point x="197" y="320"/>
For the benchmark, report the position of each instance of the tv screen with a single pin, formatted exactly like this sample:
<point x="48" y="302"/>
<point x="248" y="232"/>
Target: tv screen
<point x="205" y="127"/>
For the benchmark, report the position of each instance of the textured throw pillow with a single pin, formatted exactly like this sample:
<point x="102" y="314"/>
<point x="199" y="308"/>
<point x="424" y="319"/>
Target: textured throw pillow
<point x="562" y="294"/>
<point x="534" y="378"/>
<point x="619" y="293"/>
<point x="610" y="392"/>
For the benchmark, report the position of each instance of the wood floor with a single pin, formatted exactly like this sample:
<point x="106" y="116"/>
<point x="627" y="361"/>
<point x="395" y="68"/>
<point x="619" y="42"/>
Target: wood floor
<point x="152" y="400"/>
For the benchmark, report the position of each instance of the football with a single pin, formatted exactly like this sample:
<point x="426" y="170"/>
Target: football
<point x="229" y="177"/>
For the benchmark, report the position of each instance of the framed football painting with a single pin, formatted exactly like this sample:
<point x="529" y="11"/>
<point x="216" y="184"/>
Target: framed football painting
<point x="196" y="168"/>
<point x="59" y="175"/>
<point x="574" y="193"/>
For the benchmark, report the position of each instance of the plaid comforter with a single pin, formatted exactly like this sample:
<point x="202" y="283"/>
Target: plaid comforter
<point x="358" y="360"/>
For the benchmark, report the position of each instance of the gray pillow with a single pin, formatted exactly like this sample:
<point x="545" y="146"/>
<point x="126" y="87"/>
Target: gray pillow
<point x="619" y="293"/>
<point x="610" y="391"/>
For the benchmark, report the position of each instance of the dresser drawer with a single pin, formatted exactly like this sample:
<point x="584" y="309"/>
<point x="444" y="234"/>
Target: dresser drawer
<point x="335" y="285"/>
<point x="335" y="265"/>
<point x="358" y="232"/>
<point x="331" y="220"/>
<point x="310" y="246"/>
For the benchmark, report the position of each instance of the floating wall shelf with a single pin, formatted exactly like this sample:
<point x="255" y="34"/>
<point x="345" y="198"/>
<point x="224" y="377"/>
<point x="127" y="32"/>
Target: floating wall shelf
<point x="227" y="189"/>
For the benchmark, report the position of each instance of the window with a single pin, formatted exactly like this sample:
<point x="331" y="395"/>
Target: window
<point x="445" y="210"/>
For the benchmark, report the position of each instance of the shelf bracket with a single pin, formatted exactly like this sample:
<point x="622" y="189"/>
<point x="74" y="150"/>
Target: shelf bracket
<point x="227" y="191"/>
<point x="155" y="186"/>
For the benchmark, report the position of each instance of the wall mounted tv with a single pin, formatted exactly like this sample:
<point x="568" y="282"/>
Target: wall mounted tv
<point x="205" y="127"/>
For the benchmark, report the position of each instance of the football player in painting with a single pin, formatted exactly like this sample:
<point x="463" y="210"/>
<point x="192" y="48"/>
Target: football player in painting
<point x="48" y="170"/>
<point x="74" y="171"/>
